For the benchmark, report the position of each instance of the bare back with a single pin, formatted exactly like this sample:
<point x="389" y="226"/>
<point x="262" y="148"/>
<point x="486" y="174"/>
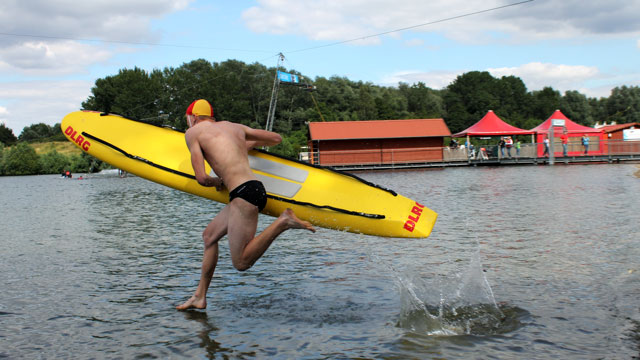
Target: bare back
<point x="223" y="147"/>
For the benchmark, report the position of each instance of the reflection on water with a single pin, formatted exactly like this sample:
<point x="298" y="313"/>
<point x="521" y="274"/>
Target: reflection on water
<point x="528" y="262"/>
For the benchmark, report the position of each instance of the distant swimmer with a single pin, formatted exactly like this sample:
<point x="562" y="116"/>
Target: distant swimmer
<point x="224" y="146"/>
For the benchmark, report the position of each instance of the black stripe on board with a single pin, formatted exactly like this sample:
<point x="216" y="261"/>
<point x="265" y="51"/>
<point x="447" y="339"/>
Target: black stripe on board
<point x="138" y="157"/>
<point x="290" y="201"/>
<point x="343" y="211"/>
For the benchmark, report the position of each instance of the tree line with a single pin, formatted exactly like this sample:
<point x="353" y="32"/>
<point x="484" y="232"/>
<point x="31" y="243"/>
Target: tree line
<point x="241" y="92"/>
<point x="20" y="158"/>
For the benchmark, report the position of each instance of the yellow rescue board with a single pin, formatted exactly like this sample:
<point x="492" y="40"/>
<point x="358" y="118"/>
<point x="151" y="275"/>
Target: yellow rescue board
<point x="321" y="195"/>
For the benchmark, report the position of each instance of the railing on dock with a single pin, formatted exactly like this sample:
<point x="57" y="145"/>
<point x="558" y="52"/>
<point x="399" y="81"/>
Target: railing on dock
<point x="533" y="153"/>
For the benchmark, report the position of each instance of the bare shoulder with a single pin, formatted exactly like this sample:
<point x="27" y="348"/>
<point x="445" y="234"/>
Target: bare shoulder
<point x="191" y="134"/>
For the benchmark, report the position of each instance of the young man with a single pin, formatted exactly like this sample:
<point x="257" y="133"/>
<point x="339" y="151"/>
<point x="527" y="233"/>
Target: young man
<point x="224" y="146"/>
<point x="564" y="138"/>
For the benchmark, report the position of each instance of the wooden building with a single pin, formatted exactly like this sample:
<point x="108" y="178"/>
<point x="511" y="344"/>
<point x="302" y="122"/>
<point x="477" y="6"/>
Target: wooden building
<point x="622" y="138"/>
<point x="375" y="142"/>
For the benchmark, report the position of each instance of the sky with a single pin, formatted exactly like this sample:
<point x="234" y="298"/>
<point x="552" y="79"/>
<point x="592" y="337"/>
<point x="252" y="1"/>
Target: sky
<point x="53" y="51"/>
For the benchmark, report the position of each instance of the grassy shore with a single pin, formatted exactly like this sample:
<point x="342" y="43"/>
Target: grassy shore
<point x="62" y="147"/>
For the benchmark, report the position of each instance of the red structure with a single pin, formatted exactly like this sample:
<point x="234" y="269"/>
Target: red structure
<point x="574" y="132"/>
<point x="492" y="125"/>
<point x="377" y="141"/>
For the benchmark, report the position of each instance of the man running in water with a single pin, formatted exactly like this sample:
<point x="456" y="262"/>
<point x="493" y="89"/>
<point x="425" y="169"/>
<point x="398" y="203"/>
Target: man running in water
<point x="224" y="146"/>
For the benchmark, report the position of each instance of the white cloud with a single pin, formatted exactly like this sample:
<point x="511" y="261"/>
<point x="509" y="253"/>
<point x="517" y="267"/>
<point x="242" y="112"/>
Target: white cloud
<point x="414" y="42"/>
<point x="3" y="115"/>
<point x="339" y="20"/>
<point x="64" y="22"/>
<point x="104" y="19"/>
<point x="537" y="75"/>
<point x="40" y="102"/>
<point x="57" y="58"/>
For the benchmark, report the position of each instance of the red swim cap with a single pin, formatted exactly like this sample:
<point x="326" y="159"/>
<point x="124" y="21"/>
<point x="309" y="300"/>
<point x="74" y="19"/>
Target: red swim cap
<point x="200" y="107"/>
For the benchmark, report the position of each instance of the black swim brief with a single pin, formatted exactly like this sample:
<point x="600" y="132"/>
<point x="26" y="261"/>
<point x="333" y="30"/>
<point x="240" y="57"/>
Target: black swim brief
<point x="252" y="191"/>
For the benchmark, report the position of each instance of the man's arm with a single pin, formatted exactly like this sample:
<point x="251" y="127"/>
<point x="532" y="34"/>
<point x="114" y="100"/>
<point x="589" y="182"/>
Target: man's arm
<point x="197" y="162"/>
<point x="258" y="137"/>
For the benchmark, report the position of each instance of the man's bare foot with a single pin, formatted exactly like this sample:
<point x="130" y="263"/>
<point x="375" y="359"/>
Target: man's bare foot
<point x="293" y="222"/>
<point x="193" y="303"/>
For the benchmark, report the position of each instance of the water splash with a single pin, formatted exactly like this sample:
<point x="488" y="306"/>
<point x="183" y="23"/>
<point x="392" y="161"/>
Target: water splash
<point x="459" y="303"/>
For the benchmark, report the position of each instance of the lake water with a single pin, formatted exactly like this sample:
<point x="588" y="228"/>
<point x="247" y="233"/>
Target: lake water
<point x="532" y="262"/>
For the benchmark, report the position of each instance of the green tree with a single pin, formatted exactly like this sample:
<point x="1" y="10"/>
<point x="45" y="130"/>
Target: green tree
<point x="189" y="82"/>
<point x="133" y="93"/>
<point x="544" y="102"/>
<point x="576" y="107"/>
<point x="366" y="104"/>
<point x="469" y="97"/>
<point x="598" y="108"/>
<point x="513" y="100"/>
<point x="6" y="135"/>
<point x="37" y="132"/>
<point x="623" y="106"/>
<point x="422" y="101"/>
<point x="21" y="159"/>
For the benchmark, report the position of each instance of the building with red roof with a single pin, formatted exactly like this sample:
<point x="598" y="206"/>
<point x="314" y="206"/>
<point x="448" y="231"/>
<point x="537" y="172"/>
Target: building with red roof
<point x="377" y="141"/>
<point x="623" y="138"/>
<point x="617" y="131"/>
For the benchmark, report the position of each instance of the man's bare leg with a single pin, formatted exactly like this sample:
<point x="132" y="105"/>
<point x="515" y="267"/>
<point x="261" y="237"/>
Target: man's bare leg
<point x="243" y="219"/>
<point x="216" y="229"/>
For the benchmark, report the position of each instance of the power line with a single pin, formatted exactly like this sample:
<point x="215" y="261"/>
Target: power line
<point x="410" y="27"/>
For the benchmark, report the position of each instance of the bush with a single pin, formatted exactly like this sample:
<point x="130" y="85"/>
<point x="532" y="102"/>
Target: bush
<point x="53" y="163"/>
<point x="1" y="158"/>
<point x="20" y="160"/>
<point x="85" y="163"/>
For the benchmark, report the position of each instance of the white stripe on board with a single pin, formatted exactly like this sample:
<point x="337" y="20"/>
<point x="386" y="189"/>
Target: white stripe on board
<point x="274" y="186"/>
<point x="279" y="187"/>
<point x="278" y="169"/>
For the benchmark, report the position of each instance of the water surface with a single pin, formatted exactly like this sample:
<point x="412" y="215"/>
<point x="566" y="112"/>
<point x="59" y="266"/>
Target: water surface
<point x="524" y="262"/>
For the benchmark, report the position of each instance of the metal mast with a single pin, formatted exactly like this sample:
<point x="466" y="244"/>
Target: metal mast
<point x="274" y="96"/>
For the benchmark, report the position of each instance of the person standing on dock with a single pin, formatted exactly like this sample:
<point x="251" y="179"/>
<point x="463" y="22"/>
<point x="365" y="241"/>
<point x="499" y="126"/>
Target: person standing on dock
<point x="509" y="144"/>
<point x="225" y="146"/>
<point x="565" y="143"/>
<point x="585" y="143"/>
<point x="545" y="142"/>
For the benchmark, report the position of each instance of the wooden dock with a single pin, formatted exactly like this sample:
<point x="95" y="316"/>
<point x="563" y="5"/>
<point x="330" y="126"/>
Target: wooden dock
<point x="513" y="161"/>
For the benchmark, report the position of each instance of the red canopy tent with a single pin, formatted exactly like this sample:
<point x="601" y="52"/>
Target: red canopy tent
<point x="574" y="132"/>
<point x="492" y="125"/>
